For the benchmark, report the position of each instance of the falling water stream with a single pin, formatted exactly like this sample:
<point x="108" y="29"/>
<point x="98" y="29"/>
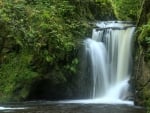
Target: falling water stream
<point x="109" y="52"/>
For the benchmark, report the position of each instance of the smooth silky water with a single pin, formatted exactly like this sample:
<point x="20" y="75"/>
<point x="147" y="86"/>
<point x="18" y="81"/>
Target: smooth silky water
<point x="109" y="53"/>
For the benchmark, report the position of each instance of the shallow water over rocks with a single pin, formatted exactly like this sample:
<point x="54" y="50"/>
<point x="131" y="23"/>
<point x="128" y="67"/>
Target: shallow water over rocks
<point x="56" y="107"/>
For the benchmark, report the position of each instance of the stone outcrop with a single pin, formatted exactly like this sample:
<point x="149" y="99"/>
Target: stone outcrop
<point x="142" y="58"/>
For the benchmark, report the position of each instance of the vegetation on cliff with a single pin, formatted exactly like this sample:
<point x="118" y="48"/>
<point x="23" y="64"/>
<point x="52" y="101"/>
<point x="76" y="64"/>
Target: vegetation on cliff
<point x="39" y="43"/>
<point x="127" y="9"/>
<point x="142" y="59"/>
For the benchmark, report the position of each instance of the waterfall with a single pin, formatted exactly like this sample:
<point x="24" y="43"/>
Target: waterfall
<point x="109" y="53"/>
<point x="107" y="64"/>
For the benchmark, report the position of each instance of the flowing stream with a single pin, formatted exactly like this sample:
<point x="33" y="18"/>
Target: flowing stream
<point x="56" y="107"/>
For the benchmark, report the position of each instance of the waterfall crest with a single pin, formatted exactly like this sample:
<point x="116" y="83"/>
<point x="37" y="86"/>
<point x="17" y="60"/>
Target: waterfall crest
<point x="109" y="52"/>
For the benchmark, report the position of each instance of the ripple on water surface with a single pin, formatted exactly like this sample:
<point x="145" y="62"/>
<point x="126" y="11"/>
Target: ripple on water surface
<point x="72" y="107"/>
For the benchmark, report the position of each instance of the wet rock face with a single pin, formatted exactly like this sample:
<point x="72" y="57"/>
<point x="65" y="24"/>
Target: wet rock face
<point x="142" y="58"/>
<point x="142" y="68"/>
<point x="142" y="81"/>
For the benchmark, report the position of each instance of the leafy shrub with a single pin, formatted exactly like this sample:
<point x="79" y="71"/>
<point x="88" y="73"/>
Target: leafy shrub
<point x="39" y="39"/>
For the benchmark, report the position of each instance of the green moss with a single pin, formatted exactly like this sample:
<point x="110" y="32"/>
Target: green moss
<point x="127" y="9"/>
<point x="145" y="32"/>
<point x="146" y="97"/>
<point x="144" y="47"/>
<point x="16" y="77"/>
<point x="144" y="40"/>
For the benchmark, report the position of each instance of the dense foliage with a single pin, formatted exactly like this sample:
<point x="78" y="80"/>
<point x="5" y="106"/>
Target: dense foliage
<point x="127" y="9"/>
<point x="142" y="57"/>
<point x="39" y="43"/>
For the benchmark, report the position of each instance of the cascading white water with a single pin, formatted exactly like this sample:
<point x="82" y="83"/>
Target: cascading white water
<point x="98" y="60"/>
<point x="109" y="61"/>
<point x="110" y="56"/>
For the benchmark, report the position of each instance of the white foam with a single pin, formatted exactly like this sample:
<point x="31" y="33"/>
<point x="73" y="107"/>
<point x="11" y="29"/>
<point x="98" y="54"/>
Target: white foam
<point x="99" y="101"/>
<point x="10" y="108"/>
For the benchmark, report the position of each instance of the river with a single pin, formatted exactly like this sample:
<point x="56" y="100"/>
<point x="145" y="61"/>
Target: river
<point x="56" y="107"/>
